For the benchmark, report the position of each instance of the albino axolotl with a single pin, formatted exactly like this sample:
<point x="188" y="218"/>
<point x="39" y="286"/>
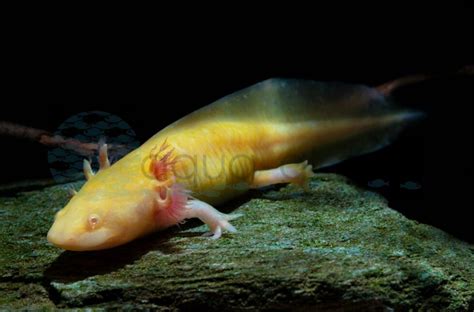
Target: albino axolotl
<point x="262" y="135"/>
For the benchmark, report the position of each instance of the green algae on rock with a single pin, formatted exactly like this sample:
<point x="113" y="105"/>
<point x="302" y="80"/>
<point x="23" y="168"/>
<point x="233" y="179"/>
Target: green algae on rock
<point x="337" y="246"/>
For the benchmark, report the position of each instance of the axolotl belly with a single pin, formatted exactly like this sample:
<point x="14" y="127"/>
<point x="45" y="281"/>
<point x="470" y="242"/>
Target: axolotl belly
<point x="266" y="134"/>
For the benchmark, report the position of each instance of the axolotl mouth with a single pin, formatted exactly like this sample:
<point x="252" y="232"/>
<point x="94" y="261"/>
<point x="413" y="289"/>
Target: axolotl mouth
<point x="99" y="239"/>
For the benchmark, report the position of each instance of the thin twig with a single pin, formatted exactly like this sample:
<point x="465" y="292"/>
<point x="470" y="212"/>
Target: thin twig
<point x="388" y="87"/>
<point x="46" y="138"/>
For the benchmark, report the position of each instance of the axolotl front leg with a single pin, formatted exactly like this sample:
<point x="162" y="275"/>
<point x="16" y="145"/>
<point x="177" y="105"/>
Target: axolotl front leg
<point x="216" y="220"/>
<point x="298" y="174"/>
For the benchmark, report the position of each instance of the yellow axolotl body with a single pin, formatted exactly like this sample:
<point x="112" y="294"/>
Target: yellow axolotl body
<point x="255" y="137"/>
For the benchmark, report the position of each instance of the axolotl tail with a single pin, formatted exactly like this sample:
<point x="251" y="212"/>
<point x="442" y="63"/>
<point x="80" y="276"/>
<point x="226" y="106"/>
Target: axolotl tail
<point x="324" y="122"/>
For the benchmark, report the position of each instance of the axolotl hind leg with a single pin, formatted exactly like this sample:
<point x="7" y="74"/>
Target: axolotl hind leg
<point x="298" y="174"/>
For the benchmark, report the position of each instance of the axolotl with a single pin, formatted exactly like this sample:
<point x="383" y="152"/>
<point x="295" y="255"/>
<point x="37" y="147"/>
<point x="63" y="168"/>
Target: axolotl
<point x="275" y="131"/>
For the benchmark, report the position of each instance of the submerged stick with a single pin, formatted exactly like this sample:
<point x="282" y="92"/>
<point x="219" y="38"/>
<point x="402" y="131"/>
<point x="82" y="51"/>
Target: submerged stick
<point x="47" y="138"/>
<point x="388" y="87"/>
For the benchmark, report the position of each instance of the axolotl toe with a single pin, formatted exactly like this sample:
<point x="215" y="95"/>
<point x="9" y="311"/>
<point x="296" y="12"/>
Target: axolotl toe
<point x="272" y="132"/>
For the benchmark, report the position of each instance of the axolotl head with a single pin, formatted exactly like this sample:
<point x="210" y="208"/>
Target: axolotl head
<point x="115" y="206"/>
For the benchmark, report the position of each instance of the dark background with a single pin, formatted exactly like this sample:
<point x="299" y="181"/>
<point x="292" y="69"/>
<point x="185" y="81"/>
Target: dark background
<point x="152" y="74"/>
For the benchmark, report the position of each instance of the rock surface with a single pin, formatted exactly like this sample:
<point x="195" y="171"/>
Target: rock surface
<point x="336" y="247"/>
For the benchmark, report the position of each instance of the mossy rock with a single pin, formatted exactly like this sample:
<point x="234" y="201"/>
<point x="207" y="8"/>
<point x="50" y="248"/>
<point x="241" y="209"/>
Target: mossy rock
<point x="335" y="247"/>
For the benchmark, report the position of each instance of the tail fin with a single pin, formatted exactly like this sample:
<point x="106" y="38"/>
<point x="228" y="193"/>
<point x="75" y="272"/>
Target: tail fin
<point x="345" y="138"/>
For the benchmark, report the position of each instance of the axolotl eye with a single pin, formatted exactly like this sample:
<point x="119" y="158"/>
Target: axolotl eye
<point x="94" y="221"/>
